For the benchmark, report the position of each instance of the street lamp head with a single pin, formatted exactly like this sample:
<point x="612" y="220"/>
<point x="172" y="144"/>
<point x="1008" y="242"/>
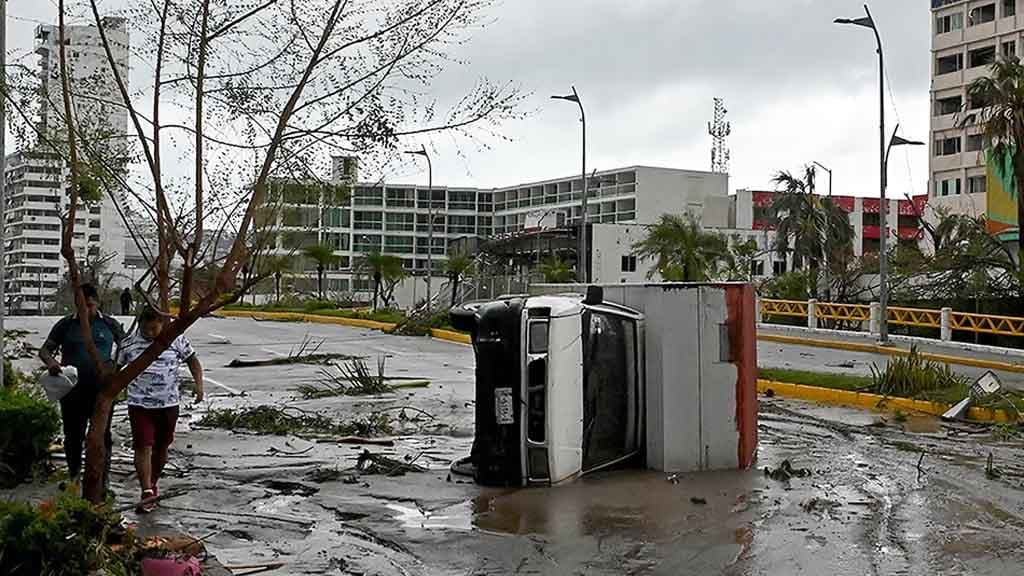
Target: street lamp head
<point x="570" y="98"/>
<point x="420" y="152"/>
<point x="901" y="141"/>
<point x="864" y="21"/>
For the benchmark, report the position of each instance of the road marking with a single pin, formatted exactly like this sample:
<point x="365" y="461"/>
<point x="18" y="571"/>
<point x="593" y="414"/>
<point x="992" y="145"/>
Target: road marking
<point x="218" y="337"/>
<point x="274" y="352"/>
<point x="224" y="386"/>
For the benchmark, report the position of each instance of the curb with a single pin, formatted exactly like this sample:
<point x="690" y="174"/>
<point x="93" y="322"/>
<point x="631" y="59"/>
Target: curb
<point x="456" y="337"/>
<point x="314" y="318"/>
<point x="892" y="351"/>
<point x="875" y="401"/>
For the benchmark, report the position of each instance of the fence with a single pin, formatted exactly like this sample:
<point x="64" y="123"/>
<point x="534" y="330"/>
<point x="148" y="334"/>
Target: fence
<point x="866" y="317"/>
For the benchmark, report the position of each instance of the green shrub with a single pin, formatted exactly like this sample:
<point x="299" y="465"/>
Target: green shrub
<point x="912" y="376"/>
<point x="312" y="305"/>
<point x="64" y="537"/>
<point x="11" y="376"/>
<point x="29" y="425"/>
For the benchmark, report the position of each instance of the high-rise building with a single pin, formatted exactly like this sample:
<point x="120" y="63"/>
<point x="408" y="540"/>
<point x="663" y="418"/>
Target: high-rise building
<point x="36" y="196"/>
<point x="967" y="37"/>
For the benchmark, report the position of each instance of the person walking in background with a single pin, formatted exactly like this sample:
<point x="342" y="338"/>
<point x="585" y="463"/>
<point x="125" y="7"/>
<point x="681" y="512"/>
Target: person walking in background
<point x="153" y="399"/>
<point x="126" y="302"/>
<point x="77" y="406"/>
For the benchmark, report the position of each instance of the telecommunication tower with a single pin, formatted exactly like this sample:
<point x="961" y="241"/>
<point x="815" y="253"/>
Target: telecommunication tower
<point x="719" y="130"/>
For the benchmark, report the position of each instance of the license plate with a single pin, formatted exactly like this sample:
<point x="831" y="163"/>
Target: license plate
<point x="503" y="407"/>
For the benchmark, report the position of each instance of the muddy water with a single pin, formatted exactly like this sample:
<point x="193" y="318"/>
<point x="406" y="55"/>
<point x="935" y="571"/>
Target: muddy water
<point x="884" y="496"/>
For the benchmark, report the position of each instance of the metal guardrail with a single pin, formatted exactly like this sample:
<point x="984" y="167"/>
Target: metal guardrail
<point x="792" y="308"/>
<point x="945" y="320"/>
<point x="921" y="317"/>
<point x="847" y="312"/>
<point x="987" y="324"/>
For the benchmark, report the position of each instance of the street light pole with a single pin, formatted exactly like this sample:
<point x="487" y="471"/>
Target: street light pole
<point x="3" y="184"/>
<point x="883" y="264"/>
<point x="582" y="270"/>
<point x="430" y="218"/>
<point x="822" y="166"/>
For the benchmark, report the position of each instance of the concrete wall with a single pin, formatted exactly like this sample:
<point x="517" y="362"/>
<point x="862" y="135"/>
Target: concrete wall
<point x="663" y="190"/>
<point x="611" y="243"/>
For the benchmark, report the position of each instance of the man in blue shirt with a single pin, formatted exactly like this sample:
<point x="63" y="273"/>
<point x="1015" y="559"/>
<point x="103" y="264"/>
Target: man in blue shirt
<point x="77" y="406"/>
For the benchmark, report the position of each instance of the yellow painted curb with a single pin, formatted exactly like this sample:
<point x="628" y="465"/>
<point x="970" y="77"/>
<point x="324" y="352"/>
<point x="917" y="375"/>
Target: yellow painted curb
<point x="875" y="401"/>
<point x="457" y="337"/>
<point x="299" y="317"/>
<point x="892" y="351"/>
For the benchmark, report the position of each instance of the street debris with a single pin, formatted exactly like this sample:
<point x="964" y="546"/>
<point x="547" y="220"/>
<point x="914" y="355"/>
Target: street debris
<point x="912" y="375"/>
<point x="785" y="472"/>
<point x="291" y="420"/>
<point x="822" y="505"/>
<point x="991" y="472"/>
<point x="307" y="352"/>
<point x="376" y="464"/>
<point x="698" y="500"/>
<point x="355" y="379"/>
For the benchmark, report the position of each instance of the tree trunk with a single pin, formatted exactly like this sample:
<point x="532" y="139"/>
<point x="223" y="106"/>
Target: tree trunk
<point x="277" y="287"/>
<point x="455" y="290"/>
<point x="320" y="280"/>
<point x="376" y="289"/>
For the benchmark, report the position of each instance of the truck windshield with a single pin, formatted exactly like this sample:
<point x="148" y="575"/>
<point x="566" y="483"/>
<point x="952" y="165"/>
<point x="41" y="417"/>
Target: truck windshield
<point x="610" y="394"/>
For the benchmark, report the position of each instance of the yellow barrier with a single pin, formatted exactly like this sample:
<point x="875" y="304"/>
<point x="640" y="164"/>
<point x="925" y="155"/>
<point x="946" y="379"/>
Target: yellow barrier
<point x="898" y="316"/>
<point x="1003" y="325"/>
<point x="875" y="401"/>
<point x="793" y="308"/>
<point x="915" y="317"/>
<point x="850" y="312"/>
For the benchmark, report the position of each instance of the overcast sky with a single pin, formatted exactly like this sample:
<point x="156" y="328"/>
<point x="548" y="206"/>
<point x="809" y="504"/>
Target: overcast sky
<point x="798" y="88"/>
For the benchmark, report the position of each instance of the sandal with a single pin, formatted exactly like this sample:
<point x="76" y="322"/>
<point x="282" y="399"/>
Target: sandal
<point x="147" y="503"/>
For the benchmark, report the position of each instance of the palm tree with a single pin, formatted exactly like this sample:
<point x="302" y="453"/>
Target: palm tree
<point x="276" y="265"/>
<point x="457" y="267"/>
<point x="1003" y="120"/>
<point x="812" y="228"/>
<point x="683" y="250"/>
<point x="323" y="255"/>
<point x="380" y="267"/>
<point x="556" y="271"/>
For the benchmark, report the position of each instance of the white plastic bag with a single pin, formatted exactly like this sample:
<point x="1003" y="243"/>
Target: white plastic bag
<point x="57" y="387"/>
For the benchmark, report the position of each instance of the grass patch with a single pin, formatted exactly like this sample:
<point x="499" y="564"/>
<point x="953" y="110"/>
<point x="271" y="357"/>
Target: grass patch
<point x="822" y="379"/>
<point x="388" y="316"/>
<point x="290" y="420"/>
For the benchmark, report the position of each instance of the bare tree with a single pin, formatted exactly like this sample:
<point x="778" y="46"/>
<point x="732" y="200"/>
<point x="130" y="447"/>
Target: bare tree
<point x="274" y="85"/>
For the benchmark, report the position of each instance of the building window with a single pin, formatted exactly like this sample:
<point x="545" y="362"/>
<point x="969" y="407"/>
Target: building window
<point x="975" y="142"/>
<point x="400" y="222"/>
<point x="629" y="263"/>
<point x="398" y="244"/>
<point x="949" y="23"/>
<point x="981" y="14"/>
<point x="757" y="267"/>
<point x="778" y="267"/>
<point x="976" y="185"/>
<point x="947" y="146"/>
<point x="1009" y="8"/>
<point x="981" y="56"/>
<point x="951" y="105"/>
<point x="400" y="198"/>
<point x="1009" y="49"/>
<point x="871" y="219"/>
<point x="949" y="64"/>
<point x="948" y="187"/>
<point x="368" y="220"/>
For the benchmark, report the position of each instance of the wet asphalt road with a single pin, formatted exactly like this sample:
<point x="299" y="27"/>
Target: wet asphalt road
<point x="872" y="504"/>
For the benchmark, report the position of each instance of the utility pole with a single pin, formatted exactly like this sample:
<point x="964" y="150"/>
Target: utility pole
<point x="3" y="183"/>
<point x="582" y="270"/>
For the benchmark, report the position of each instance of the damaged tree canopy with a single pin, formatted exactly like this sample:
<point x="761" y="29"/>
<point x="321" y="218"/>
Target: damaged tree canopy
<point x="354" y="379"/>
<point x="262" y="95"/>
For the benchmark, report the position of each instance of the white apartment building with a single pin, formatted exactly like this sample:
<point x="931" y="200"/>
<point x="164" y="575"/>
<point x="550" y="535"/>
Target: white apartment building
<point x="394" y="218"/>
<point x="967" y="36"/>
<point x="35" y="179"/>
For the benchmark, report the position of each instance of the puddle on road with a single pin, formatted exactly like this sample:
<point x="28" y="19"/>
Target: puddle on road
<point x="458" y="517"/>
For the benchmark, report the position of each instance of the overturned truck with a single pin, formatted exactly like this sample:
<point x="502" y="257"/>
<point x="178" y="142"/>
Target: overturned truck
<point x="660" y="376"/>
